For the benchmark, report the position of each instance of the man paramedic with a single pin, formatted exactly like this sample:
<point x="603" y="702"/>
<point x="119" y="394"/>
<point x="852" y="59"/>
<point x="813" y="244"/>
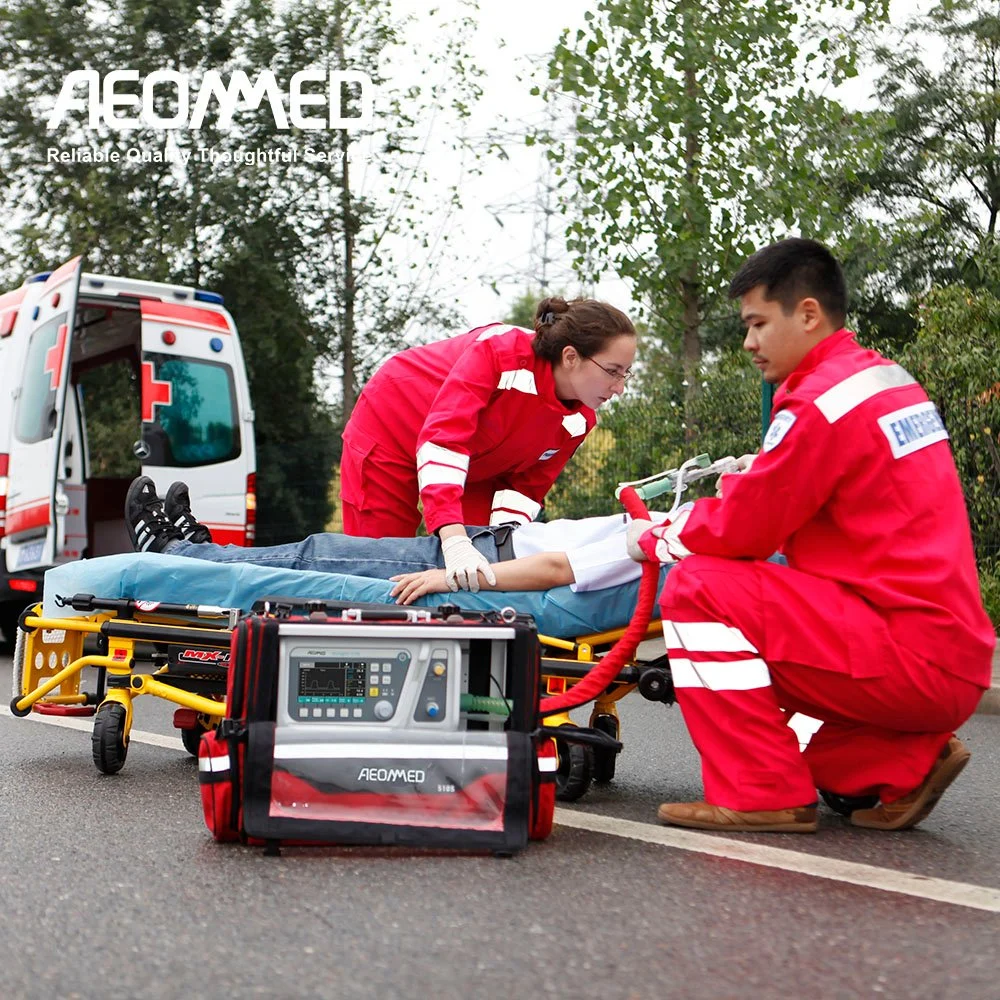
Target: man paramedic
<point x="875" y="626"/>
<point x="587" y="554"/>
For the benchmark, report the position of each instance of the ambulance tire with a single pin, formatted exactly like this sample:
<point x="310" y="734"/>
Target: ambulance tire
<point x="844" y="805"/>
<point x="575" y="770"/>
<point x="110" y="748"/>
<point x="605" y="760"/>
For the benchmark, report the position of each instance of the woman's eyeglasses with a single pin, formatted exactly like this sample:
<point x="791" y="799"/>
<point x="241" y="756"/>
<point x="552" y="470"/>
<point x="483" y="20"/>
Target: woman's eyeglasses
<point x="614" y="372"/>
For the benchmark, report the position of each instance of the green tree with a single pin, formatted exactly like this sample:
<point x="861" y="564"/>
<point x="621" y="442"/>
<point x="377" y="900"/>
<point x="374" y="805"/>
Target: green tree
<point x="936" y="190"/>
<point x="699" y="135"/>
<point x="316" y="270"/>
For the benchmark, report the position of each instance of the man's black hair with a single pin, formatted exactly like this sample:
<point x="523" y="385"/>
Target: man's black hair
<point x="792" y="270"/>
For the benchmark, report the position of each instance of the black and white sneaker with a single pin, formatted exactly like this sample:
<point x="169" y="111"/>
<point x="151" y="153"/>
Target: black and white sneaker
<point x="149" y="528"/>
<point x="177" y="505"/>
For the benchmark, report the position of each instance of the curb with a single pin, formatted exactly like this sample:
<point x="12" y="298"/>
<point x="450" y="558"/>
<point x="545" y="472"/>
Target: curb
<point x="989" y="704"/>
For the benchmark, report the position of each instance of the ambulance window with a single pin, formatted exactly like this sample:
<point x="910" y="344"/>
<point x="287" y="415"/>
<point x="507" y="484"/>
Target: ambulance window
<point x="200" y="426"/>
<point x="36" y="410"/>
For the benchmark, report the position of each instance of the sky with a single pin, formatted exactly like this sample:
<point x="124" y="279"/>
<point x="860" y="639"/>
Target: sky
<point x="513" y="40"/>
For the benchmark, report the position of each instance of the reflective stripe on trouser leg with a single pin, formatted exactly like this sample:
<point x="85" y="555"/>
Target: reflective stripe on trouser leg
<point x="750" y="758"/>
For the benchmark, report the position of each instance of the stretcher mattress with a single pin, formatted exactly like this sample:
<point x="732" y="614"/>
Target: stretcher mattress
<point x="559" y="612"/>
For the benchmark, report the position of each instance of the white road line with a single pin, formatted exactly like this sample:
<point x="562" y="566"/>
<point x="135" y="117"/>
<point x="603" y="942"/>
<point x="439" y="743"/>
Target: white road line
<point x="86" y="725"/>
<point x="976" y="897"/>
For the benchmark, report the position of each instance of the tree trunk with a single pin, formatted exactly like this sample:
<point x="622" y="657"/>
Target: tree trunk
<point x="349" y="290"/>
<point x="690" y="285"/>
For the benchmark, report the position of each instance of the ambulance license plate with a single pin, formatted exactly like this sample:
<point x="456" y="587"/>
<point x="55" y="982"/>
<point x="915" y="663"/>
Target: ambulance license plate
<point x="31" y="553"/>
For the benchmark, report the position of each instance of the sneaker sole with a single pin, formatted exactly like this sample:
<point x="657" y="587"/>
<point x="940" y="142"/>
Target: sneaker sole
<point x="742" y="827"/>
<point x="949" y="770"/>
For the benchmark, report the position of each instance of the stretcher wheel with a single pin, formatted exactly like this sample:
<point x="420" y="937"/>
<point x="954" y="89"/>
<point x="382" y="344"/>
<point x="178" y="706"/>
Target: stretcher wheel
<point x="108" y="740"/>
<point x="844" y="805"/>
<point x="605" y="760"/>
<point x="191" y="738"/>
<point x="575" y="770"/>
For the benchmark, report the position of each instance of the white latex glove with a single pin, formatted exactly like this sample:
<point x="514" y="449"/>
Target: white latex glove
<point x="463" y="564"/>
<point x="741" y="464"/>
<point x="636" y="529"/>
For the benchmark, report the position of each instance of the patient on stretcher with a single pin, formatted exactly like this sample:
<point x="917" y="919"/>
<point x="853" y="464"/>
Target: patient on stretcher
<point x="586" y="554"/>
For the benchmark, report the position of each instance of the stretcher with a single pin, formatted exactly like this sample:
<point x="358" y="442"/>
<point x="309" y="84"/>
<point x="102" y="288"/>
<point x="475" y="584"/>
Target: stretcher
<point x="155" y="630"/>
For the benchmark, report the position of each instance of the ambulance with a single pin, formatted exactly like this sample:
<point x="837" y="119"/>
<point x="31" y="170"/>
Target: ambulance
<point x="103" y="379"/>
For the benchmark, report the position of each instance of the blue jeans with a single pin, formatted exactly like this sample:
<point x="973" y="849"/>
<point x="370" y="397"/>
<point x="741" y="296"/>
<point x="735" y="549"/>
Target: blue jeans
<point x="327" y="552"/>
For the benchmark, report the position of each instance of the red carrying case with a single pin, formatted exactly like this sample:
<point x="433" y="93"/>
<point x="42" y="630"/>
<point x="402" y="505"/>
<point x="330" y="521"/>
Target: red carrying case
<point x="382" y="726"/>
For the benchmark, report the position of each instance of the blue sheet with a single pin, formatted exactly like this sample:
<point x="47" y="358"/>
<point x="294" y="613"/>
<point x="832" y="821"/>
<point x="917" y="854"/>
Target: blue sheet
<point x="146" y="576"/>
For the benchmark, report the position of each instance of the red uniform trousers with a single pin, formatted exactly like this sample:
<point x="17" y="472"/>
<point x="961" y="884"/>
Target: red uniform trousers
<point x="751" y="641"/>
<point x="379" y="493"/>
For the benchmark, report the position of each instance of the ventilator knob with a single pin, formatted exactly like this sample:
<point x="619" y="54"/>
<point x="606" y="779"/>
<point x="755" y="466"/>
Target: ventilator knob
<point x="383" y="710"/>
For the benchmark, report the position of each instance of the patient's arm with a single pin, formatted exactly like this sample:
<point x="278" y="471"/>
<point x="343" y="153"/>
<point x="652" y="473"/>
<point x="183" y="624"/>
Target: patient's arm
<point x="537" y="572"/>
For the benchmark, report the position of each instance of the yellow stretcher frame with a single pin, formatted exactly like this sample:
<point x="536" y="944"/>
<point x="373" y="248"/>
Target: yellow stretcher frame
<point x="50" y="656"/>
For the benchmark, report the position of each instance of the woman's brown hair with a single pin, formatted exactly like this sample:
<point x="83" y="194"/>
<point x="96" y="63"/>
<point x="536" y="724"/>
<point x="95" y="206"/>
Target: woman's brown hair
<point x="585" y="324"/>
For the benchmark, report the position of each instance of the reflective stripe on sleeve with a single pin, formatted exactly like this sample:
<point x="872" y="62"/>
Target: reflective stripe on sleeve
<point x="856" y="389"/>
<point x="669" y="547"/>
<point x="520" y="379"/>
<point x="509" y="505"/>
<point x="575" y="424"/>
<point x="729" y="675"/>
<point x="437" y="466"/>
<point x="548" y="764"/>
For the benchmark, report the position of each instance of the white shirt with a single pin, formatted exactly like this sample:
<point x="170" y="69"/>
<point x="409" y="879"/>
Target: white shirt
<point x="595" y="547"/>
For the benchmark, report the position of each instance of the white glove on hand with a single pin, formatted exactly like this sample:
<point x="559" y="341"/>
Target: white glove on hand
<point x="741" y="464"/>
<point x="463" y="564"/>
<point x="636" y="529"/>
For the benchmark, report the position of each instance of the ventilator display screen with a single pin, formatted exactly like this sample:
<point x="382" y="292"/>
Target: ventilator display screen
<point x="332" y="680"/>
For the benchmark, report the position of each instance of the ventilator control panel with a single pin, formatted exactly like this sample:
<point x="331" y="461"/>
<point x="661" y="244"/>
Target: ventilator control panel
<point x="390" y="684"/>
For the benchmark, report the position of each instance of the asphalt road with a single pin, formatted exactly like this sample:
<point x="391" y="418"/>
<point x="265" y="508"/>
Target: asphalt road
<point x="112" y="888"/>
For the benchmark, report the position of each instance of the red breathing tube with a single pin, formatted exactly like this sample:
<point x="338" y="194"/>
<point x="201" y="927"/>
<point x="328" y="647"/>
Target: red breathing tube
<point x="605" y="671"/>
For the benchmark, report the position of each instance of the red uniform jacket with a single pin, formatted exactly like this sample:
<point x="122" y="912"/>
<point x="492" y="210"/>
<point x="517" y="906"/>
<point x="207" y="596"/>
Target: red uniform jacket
<point x="856" y="483"/>
<point x="477" y="408"/>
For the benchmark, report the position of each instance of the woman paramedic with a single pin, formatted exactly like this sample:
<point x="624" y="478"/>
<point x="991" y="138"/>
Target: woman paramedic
<point x="476" y="428"/>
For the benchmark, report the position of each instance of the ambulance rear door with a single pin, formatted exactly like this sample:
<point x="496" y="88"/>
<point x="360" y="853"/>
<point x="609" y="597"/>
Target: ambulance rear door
<point x="37" y="502"/>
<point x="196" y="419"/>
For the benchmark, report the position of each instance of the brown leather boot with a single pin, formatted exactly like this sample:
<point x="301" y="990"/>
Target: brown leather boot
<point x="702" y="816"/>
<point x="917" y="805"/>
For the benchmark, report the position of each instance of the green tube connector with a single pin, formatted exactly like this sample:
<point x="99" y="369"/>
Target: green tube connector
<point x="482" y="703"/>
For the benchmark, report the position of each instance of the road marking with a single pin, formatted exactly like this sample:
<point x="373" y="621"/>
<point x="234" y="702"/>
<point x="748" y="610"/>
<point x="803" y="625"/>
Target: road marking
<point x="86" y="725"/>
<point x="976" y="897"/>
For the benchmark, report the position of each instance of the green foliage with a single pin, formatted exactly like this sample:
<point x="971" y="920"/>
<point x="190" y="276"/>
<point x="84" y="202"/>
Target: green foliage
<point x="297" y="441"/>
<point x="956" y="357"/>
<point x="989" y="585"/>
<point x="644" y="432"/>
<point x="521" y="312"/>
<point x="935" y="191"/>
<point x="700" y="134"/>
<point x="316" y="267"/>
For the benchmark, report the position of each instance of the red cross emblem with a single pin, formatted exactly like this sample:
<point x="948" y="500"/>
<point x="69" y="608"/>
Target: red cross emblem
<point x="153" y="391"/>
<point x="54" y="357"/>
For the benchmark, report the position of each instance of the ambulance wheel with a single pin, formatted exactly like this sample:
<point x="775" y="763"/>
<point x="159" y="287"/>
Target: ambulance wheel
<point x="844" y="805"/>
<point x="605" y="760"/>
<point x="109" y="743"/>
<point x="575" y="770"/>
